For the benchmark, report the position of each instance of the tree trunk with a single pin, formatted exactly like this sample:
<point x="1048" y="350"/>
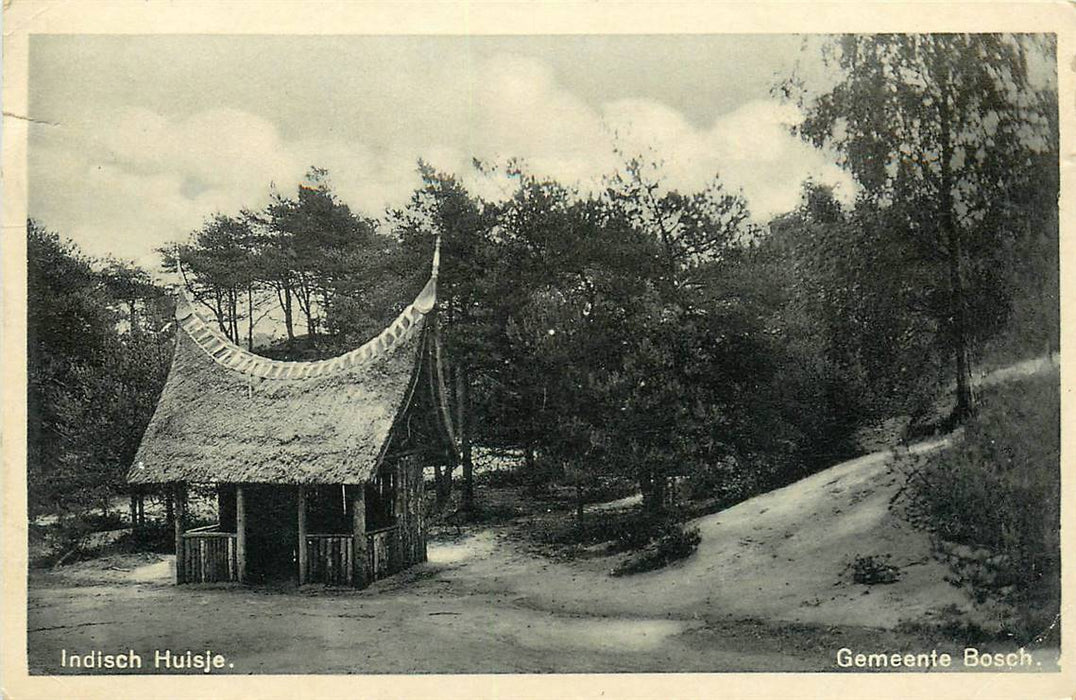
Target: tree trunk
<point x="530" y="467"/>
<point x="250" y="318"/>
<point x="289" y="323"/>
<point x="965" y="397"/>
<point x="443" y="479"/>
<point x="133" y="317"/>
<point x="965" y="400"/>
<point x="462" y="409"/>
<point x="438" y="477"/>
<point x="652" y="485"/>
<point x="235" y="316"/>
<point x="660" y="490"/>
<point x="646" y="487"/>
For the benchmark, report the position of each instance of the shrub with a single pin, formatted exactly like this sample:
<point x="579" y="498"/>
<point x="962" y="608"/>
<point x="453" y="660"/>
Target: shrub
<point x="874" y="569"/>
<point x="96" y="522"/>
<point x="502" y="478"/>
<point x="675" y="544"/>
<point x="609" y="489"/>
<point x="724" y="480"/>
<point x="637" y="532"/>
<point x="995" y="499"/>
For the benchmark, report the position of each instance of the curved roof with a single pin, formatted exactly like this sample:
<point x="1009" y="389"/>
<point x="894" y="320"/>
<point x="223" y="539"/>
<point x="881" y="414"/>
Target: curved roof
<point x="227" y="354"/>
<point x="227" y="415"/>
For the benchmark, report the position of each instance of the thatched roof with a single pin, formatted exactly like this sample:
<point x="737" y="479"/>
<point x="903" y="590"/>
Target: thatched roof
<point x="226" y="415"/>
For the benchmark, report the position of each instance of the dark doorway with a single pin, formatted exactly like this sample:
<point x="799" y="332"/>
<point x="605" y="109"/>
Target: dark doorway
<point x="328" y="510"/>
<point x="272" y="533"/>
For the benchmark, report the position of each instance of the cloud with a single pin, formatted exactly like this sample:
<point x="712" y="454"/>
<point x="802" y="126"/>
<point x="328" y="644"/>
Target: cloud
<point x="750" y="149"/>
<point x="127" y="179"/>
<point x="754" y="148"/>
<point x="135" y="180"/>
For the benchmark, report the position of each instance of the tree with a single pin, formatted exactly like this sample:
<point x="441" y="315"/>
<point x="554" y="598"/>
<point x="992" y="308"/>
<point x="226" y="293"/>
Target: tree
<point x="132" y="287"/>
<point x="691" y="327"/>
<point x="93" y="380"/>
<point x="692" y="229"/>
<point x="626" y="352"/>
<point x="219" y="268"/>
<point x="575" y="273"/>
<point x="851" y="312"/>
<point x="939" y="129"/>
<point x="67" y="329"/>
<point x="442" y="208"/>
<point x="315" y="246"/>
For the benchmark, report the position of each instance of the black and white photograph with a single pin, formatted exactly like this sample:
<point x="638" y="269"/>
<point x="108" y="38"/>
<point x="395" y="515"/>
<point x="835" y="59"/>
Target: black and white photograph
<point x="456" y="352"/>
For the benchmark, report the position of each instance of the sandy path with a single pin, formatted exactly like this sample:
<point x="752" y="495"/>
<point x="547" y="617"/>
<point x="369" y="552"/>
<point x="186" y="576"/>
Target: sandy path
<point x="417" y="623"/>
<point x="431" y="620"/>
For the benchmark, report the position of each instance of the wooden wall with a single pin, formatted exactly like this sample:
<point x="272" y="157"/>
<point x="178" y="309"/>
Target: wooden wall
<point x="410" y="496"/>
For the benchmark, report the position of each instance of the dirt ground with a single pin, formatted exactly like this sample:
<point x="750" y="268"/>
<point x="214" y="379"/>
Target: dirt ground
<point x="769" y="589"/>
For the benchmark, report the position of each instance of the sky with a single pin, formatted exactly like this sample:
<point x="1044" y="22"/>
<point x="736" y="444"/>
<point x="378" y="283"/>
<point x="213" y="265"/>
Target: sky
<point x="138" y="140"/>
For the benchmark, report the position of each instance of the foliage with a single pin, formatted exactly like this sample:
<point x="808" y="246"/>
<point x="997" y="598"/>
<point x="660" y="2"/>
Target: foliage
<point x="297" y="256"/>
<point x="948" y="134"/>
<point x="874" y="569"/>
<point x="672" y="546"/>
<point x="98" y="352"/>
<point x="638" y="532"/>
<point x="68" y="542"/>
<point x="442" y="210"/>
<point x="996" y="497"/>
<point x="315" y="248"/>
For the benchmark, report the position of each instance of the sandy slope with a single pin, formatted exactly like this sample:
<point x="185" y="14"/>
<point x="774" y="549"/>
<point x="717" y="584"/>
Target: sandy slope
<point x="784" y="555"/>
<point x="781" y="556"/>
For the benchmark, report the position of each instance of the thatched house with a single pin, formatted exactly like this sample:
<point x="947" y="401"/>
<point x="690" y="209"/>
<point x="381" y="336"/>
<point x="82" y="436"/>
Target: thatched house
<point x="318" y="466"/>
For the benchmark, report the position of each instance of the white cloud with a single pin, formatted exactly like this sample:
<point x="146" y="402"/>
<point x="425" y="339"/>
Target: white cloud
<point x="751" y="149"/>
<point x="755" y="150"/>
<point x="129" y="179"/>
<point x="145" y="180"/>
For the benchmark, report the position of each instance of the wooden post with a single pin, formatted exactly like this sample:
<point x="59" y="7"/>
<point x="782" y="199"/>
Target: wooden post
<point x="302" y="534"/>
<point x="420" y="499"/>
<point x="358" y="535"/>
<point x="240" y="535"/>
<point x="221" y="506"/>
<point x="180" y="524"/>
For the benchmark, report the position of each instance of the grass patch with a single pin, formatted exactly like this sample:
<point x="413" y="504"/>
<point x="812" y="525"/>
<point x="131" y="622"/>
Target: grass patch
<point x="993" y="503"/>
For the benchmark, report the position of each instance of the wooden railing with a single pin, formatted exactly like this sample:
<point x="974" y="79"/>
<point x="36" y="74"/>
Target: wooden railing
<point x="208" y="555"/>
<point x="384" y="552"/>
<point x="329" y="559"/>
